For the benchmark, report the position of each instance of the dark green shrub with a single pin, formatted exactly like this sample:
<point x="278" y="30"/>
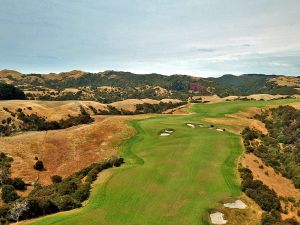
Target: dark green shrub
<point x="8" y="92"/>
<point x="18" y="184"/>
<point x="39" y="165"/>
<point x="8" y="193"/>
<point x="83" y="192"/>
<point x="56" y="179"/>
<point x="66" y="202"/>
<point x="66" y="187"/>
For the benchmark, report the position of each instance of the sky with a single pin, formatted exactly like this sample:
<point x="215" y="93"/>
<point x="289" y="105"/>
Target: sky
<point x="195" y="37"/>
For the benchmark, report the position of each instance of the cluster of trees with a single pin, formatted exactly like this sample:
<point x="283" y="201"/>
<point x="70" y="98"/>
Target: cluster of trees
<point x="248" y="84"/>
<point x="9" y="185"/>
<point x="280" y="148"/>
<point x="37" y="123"/>
<point x="107" y="97"/>
<point x="132" y="85"/>
<point x="8" y="92"/>
<point x="140" y="109"/>
<point x="156" y="108"/>
<point x="129" y="85"/>
<point x="61" y="195"/>
<point x="266" y="198"/>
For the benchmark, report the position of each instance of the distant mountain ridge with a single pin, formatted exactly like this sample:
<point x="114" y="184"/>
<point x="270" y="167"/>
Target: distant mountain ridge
<point x="110" y="86"/>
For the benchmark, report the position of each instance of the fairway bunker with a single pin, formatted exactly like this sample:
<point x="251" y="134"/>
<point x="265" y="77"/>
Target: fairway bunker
<point x="191" y="125"/>
<point x="238" y="204"/>
<point x="220" y="130"/>
<point x="166" y="132"/>
<point x="217" y="218"/>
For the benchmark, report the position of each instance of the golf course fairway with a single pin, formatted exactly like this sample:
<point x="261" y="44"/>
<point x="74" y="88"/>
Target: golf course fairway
<point x="167" y="180"/>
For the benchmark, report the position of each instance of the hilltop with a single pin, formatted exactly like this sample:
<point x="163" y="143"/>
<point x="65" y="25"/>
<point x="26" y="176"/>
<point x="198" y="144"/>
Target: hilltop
<point x="111" y="86"/>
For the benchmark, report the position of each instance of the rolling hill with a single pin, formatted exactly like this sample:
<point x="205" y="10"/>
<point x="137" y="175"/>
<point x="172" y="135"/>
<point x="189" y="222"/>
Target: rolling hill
<point x="111" y="86"/>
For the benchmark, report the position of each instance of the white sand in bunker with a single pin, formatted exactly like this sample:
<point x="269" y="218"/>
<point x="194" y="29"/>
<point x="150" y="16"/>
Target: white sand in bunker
<point x="220" y="130"/>
<point x="169" y="131"/>
<point x="217" y="218"/>
<point x="190" y="125"/>
<point x="238" y="204"/>
<point x="165" y="134"/>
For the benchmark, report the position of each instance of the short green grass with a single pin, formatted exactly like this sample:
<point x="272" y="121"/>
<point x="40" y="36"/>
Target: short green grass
<point x="167" y="180"/>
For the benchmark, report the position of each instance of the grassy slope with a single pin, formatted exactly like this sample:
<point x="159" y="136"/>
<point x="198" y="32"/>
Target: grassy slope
<point x="167" y="180"/>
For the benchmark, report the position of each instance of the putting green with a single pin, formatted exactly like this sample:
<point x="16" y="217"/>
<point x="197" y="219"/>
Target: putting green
<point x="167" y="180"/>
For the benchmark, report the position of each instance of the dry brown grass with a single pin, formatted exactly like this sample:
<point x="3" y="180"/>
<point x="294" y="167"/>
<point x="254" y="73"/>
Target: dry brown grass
<point x="65" y="151"/>
<point x="60" y="76"/>
<point x="286" y="81"/>
<point x="215" y="98"/>
<point x="15" y="74"/>
<point x="281" y="185"/>
<point x="50" y="110"/>
<point x="181" y="110"/>
<point x="130" y="104"/>
<point x="212" y="98"/>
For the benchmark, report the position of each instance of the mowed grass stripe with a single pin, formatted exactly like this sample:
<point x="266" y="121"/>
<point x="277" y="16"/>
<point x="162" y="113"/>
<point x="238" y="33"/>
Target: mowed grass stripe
<point x="167" y="180"/>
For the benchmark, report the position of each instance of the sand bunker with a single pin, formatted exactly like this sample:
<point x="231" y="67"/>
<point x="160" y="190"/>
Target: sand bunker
<point x="190" y="125"/>
<point x="238" y="204"/>
<point x="217" y="218"/>
<point x="219" y="129"/>
<point x="169" y="131"/>
<point x="165" y="134"/>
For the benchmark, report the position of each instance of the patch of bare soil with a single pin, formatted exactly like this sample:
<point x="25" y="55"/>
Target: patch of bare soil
<point x="65" y="151"/>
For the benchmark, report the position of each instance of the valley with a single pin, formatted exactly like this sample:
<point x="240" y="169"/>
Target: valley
<point x="171" y="179"/>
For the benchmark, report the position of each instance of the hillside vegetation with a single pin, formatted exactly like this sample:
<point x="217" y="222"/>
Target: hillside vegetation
<point x="248" y="84"/>
<point x="9" y="92"/>
<point x="278" y="149"/>
<point x="31" y="115"/>
<point x="111" y="86"/>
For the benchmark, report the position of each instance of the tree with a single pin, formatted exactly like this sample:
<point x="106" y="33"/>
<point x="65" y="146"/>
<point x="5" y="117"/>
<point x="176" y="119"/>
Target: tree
<point x="4" y="175"/>
<point x="39" y="165"/>
<point x="18" y="209"/>
<point x="8" y="91"/>
<point x="66" y="202"/>
<point x="19" y="184"/>
<point x="9" y="193"/>
<point x="56" y="179"/>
